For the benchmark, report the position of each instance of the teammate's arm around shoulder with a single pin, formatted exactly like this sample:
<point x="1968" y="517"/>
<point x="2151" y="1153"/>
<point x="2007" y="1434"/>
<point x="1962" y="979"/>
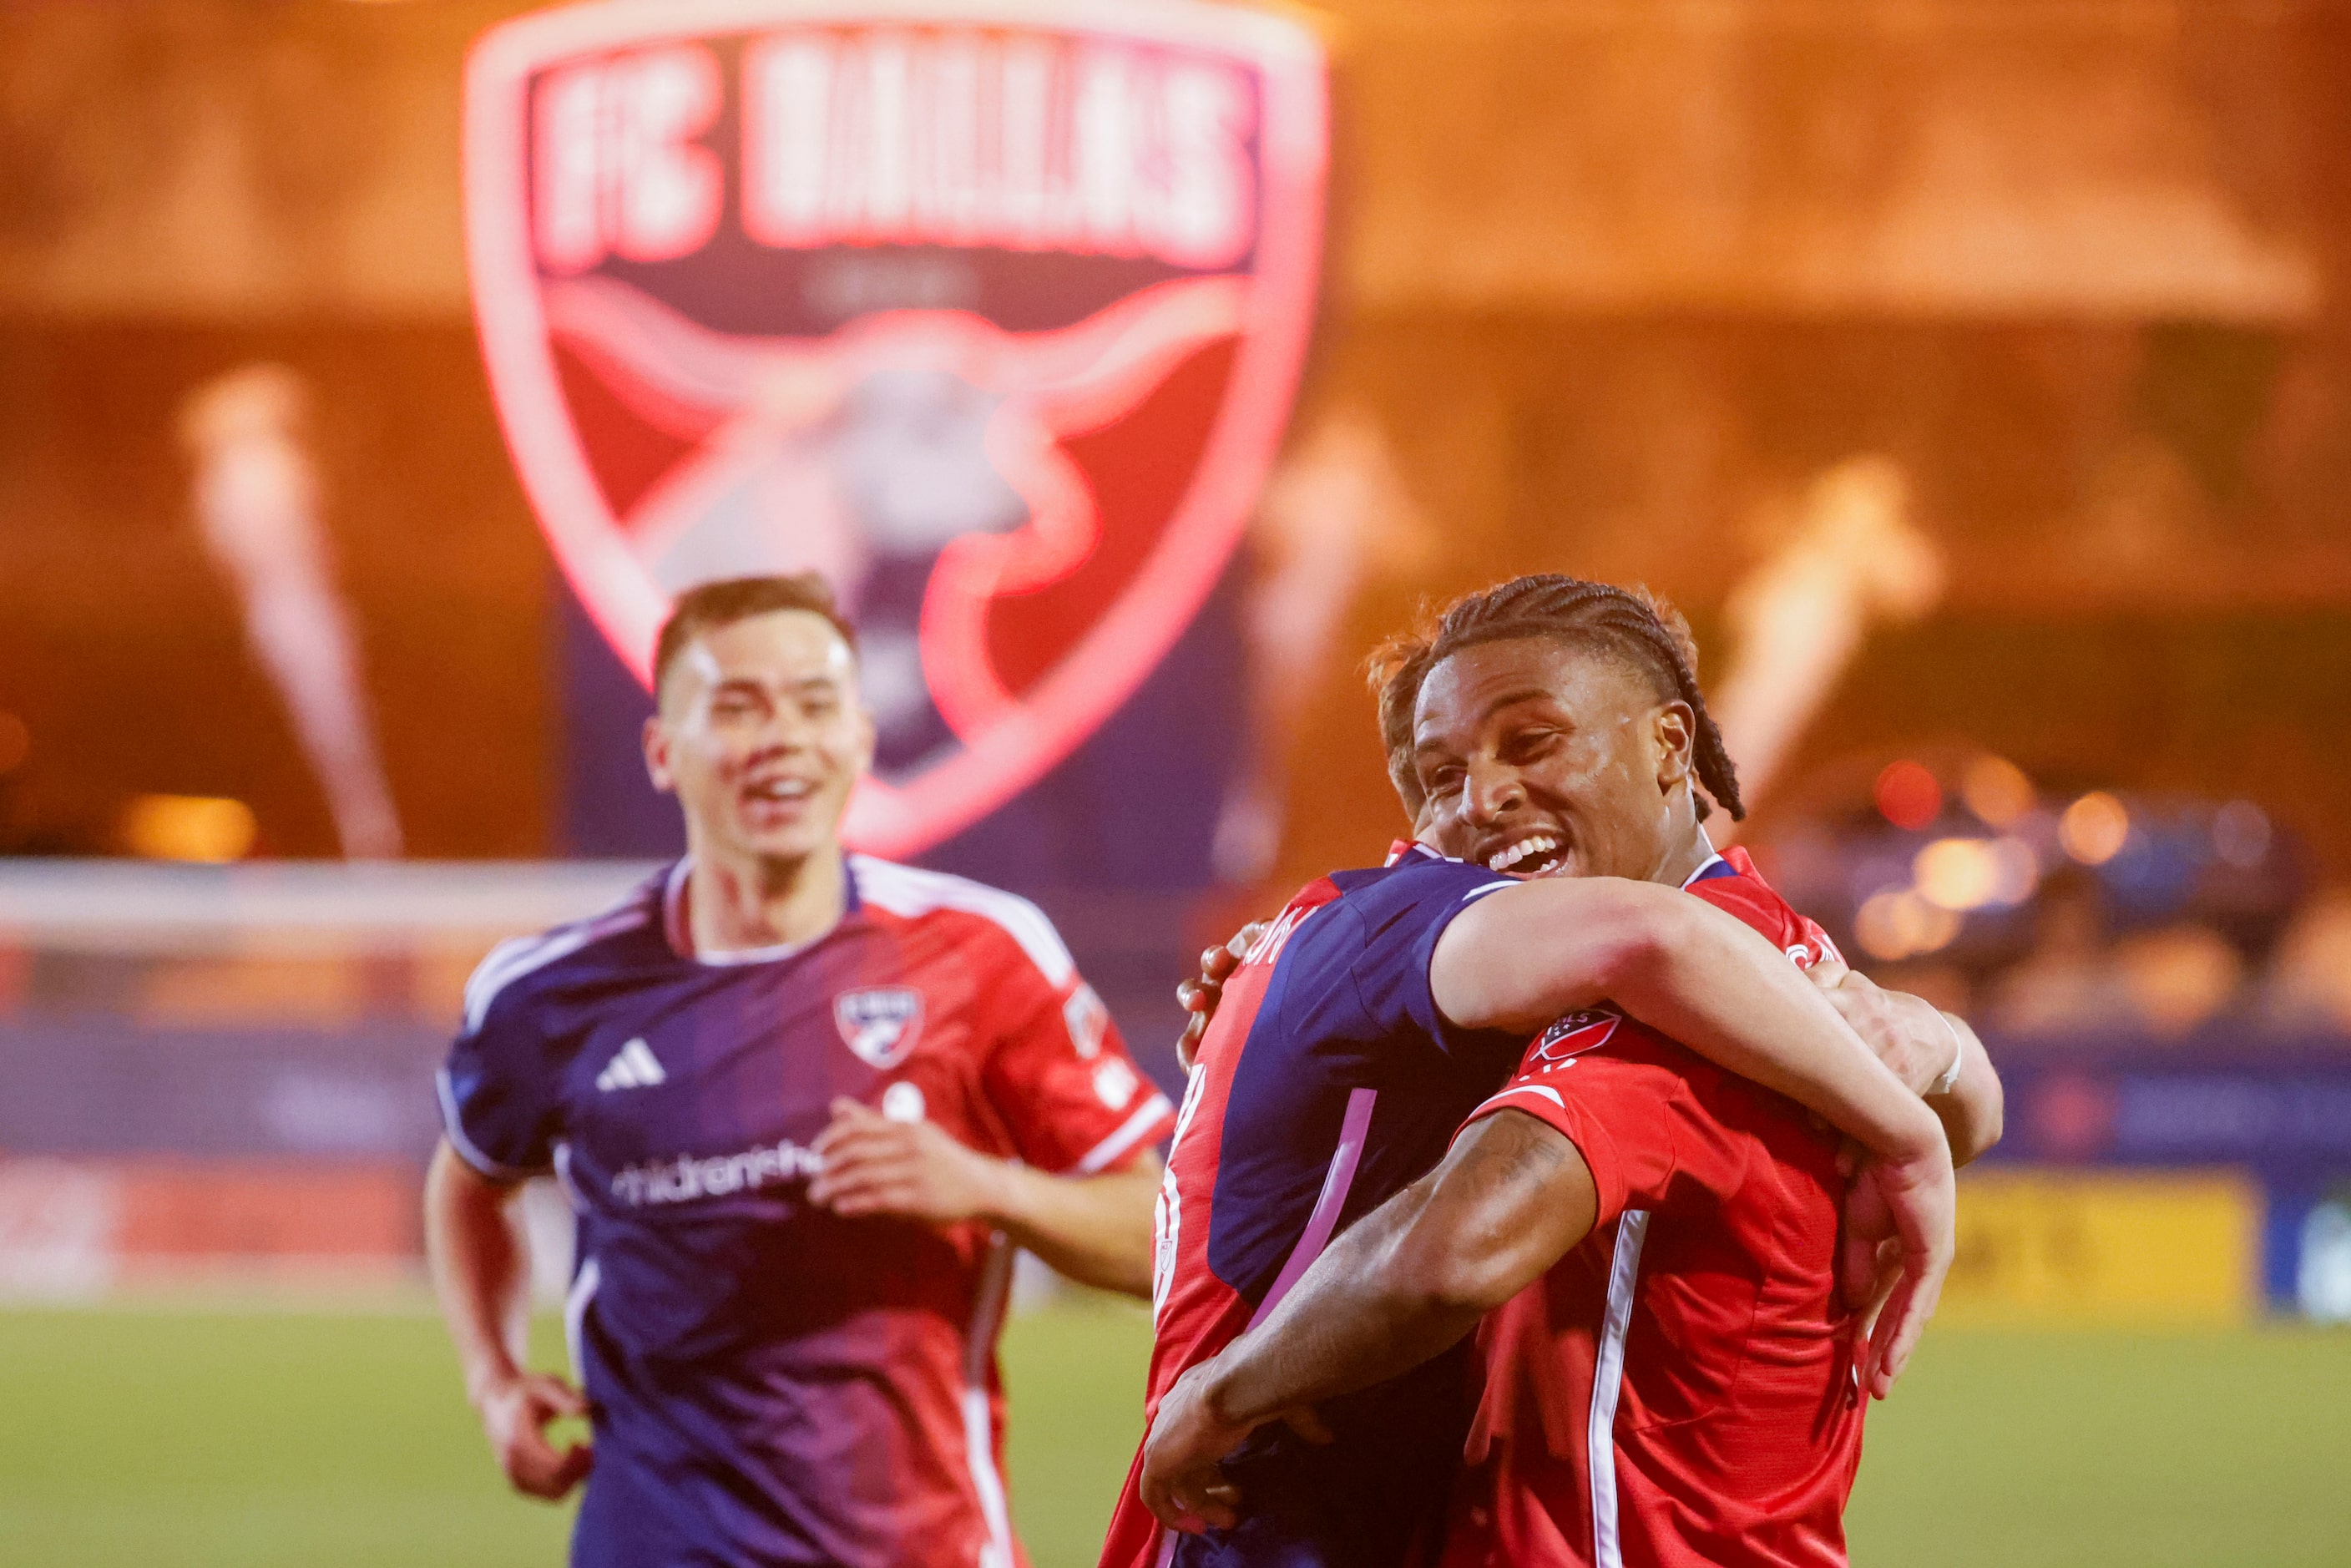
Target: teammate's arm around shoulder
<point x="1520" y="957"/>
<point x="482" y="1277"/>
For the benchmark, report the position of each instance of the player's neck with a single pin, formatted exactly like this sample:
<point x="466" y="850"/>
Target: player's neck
<point x="741" y="904"/>
<point x="1689" y="848"/>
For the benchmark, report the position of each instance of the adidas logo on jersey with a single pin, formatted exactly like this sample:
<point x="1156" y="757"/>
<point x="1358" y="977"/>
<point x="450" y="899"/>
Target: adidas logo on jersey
<point x="633" y="1066"/>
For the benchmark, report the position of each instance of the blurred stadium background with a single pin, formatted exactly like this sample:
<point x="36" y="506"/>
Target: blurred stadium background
<point x="1977" y="373"/>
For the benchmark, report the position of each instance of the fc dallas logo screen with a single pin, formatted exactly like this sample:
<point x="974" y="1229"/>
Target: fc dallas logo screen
<point x="989" y="311"/>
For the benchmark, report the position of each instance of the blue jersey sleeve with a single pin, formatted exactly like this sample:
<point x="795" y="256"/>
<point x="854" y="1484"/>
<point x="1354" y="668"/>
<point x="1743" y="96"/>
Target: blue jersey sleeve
<point x="1382" y="944"/>
<point x="498" y="1088"/>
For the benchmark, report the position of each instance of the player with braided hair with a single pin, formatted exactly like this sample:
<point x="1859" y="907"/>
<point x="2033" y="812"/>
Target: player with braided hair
<point x="1651" y="1242"/>
<point x="1630" y="625"/>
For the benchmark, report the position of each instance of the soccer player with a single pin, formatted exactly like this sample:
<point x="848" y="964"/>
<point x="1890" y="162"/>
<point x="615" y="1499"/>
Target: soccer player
<point x="805" y="1105"/>
<point x="1378" y="1009"/>
<point x="1679" y="1388"/>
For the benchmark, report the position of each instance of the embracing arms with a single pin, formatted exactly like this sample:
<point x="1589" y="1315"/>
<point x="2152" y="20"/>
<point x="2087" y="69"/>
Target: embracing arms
<point x="1909" y="1035"/>
<point x="1922" y="1043"/>
<point x="1515" y="1194"/>
<point x="1522" y="957"/>
<point x="1396" y="1289"/>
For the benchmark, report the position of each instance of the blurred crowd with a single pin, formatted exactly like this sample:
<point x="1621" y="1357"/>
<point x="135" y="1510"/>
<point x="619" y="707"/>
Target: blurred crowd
<point x="2084" y="913"/>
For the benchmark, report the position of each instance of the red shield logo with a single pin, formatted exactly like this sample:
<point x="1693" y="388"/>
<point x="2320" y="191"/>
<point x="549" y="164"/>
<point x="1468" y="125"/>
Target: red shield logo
<point x="1576" y="1033"/>
<point x="991" y="311"/>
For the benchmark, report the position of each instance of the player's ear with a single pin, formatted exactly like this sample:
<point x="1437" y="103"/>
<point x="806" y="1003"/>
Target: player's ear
<point x="656" y="741"/>
<point x="1673" y="734"/>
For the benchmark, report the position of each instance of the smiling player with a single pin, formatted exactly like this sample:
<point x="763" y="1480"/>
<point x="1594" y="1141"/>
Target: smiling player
<point x="1676" y="1389"/>
<point x="1380" y="1008"/>
<point x="805" y="1104"/>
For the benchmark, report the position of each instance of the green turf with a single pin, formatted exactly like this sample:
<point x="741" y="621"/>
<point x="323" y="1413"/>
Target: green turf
<point x="2075" y="1448"/>
<point x="148" y="1437"/>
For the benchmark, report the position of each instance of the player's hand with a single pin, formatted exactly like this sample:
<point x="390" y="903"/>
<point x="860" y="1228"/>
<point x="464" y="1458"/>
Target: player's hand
<point x="1181" y="1481"/>
<point x="904" y="1170"/>
<point x="515" y="1418"/>
<point x="1899" y="1224"/>
<point x="1199" y="996"/>
<point x="1905" y="1032"/>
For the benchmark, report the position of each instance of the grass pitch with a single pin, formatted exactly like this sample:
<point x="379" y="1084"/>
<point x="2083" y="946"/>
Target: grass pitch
<point x="155" y="1435"/>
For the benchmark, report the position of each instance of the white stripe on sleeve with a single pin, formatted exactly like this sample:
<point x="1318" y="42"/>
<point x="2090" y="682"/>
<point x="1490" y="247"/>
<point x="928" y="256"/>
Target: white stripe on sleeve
<point x="1130" y="1133"/>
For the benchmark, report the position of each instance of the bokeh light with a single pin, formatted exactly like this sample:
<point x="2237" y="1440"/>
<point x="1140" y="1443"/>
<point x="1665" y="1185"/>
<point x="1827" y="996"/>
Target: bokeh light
<point x="1976" y="873"/>
<point x="1908" y="795"/>
<point x="2093" y="828"/>
<point x="2240" y="833"/>
<point x="202" y="828"/>
<point x="1892" y="925"/>
<point x="1996" y="790"/>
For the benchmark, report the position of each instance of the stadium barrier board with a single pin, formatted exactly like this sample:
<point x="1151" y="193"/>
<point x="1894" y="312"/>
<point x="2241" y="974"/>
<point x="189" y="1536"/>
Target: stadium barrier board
<point x="2106" y="1248"/>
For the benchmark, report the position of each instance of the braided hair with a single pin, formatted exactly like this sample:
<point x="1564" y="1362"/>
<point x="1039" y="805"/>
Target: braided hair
<point x="1632" y="626"/>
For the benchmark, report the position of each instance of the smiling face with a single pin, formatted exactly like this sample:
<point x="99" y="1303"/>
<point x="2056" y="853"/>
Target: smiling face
<point x="760" y="736"/>
<point x="1541" y="757"/>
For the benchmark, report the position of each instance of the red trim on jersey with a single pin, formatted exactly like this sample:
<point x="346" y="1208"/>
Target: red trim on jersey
<point x="1194" y="1314"/>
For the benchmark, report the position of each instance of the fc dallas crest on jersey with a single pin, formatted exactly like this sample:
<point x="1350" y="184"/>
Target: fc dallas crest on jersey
<point x="880" y="1023"/>
<point x="990" y="311"/>
<point x="1575" y="1033"/>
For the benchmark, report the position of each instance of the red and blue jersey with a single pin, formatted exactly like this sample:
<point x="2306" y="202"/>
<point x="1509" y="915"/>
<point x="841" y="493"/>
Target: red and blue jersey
<point x="770" y="1382"/>
<point x="1327" y="1082"/>
<point x="1678" y="1390"/>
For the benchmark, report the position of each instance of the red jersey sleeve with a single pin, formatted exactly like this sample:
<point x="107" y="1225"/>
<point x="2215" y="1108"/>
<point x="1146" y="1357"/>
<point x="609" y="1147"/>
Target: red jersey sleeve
<point x="1061" y="1078"/>
<point x="1622" y="1096"/>
<point x="1748" y="897"/>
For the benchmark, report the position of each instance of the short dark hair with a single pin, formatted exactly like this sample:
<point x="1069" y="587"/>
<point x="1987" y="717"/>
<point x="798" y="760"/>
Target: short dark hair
<point x="708" y="606"/>
<point x="1631" y="625"/>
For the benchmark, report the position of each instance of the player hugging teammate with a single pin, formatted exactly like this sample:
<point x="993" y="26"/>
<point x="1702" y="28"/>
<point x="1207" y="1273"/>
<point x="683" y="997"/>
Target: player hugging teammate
<point x="1608" y="1326"/>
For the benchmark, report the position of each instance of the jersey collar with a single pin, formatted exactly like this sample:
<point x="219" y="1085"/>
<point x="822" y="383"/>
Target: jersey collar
<point x="680" y="931"/>
<point x="1403" y="849"/>
<point x="1713" y="866"/>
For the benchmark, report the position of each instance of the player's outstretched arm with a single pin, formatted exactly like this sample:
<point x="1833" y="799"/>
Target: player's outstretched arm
<point x="1520" y="957"/>
<point x="1508" y="1201"/>
<point x="1095" y="1229"/>
<point x="482" y="1275"/>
